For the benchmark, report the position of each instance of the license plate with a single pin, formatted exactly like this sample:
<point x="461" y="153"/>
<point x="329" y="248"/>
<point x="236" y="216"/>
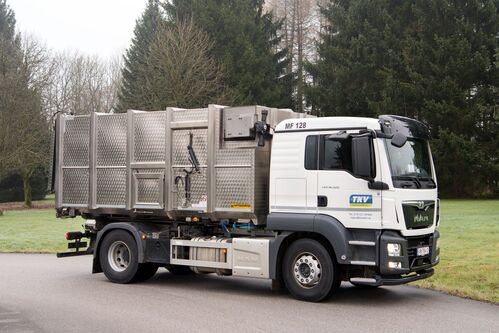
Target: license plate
<point x="423" y="251"/>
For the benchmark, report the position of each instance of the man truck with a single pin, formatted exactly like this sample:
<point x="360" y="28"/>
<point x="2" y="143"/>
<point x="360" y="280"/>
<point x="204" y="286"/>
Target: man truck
<point x="250" y="191"/>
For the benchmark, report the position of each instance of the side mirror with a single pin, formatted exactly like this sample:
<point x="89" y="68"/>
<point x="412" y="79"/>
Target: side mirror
<point x="363" y="157"/>
<point x="398" y="140"/>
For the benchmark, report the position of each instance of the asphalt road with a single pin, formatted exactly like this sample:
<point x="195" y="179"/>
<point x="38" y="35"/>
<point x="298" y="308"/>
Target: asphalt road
<point x="40" y="293"/>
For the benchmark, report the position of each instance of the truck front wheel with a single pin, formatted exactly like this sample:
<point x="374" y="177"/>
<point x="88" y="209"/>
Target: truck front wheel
<point x="309" y="272"/>
<point x="119" y="259"/>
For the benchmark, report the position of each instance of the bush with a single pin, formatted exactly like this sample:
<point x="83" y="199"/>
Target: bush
<point x="11" y="187"/>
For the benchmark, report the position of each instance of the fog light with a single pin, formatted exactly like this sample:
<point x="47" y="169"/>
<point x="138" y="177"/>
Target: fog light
<point x="393" y="249"/>
<point x="394" y="264"/>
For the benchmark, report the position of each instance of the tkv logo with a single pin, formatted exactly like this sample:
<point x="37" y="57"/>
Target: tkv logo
<point x="361" y="200"/>
<point x="421" y="218"/>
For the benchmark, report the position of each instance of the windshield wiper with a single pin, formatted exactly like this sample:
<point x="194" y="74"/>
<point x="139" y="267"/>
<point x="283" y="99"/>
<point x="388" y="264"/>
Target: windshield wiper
<point x="411" y="178"/>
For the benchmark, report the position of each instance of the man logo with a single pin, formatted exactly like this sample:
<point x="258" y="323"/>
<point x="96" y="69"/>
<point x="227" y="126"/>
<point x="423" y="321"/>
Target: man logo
<point x="361" y="200"/>
<point x="421" y="218"/>
<point x="420" y="204"/>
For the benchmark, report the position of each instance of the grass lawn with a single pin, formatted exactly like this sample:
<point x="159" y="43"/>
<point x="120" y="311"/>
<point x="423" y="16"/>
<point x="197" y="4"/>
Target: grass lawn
<point x="469" y="244"/>
<point x="35" y="230"/>
<point x="469" y="250"/>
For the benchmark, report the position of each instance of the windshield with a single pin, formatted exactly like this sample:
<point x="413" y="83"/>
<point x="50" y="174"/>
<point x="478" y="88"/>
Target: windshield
<point x="410" y="160"/>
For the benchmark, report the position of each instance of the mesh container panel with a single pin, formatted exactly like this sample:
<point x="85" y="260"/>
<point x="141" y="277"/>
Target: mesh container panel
<point x="111" y="187"/>
<point x="180" y="154"/>
<point x="234" y="156"/>
<point x="198" y="187"/>
<point x="76" y="141"/>
<point x="149" y="137"/>
<point x="190" y="115"/>
<point x="148" y="190"/>
<point x="234" y="186"/>
<point x="140" y="171"/>
<point x="111" y="140"/>
<point x="75" y="186"/>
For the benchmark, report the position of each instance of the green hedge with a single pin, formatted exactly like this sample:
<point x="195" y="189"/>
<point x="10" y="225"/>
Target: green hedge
<point x="11" y="187"/>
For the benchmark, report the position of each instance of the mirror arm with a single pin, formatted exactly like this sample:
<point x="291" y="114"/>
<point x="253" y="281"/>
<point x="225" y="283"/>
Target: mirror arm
<point x="380" y="134"/>
<point x="375" y="185"/>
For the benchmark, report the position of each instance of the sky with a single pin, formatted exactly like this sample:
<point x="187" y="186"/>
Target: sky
<point x="94" y="27"/>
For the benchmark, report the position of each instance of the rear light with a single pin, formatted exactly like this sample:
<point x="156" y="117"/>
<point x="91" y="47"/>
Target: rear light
<point x="67" y="235"/>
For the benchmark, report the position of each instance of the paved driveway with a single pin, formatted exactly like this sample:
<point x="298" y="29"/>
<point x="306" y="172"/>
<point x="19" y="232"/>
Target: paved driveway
<point x="40" y="293"/>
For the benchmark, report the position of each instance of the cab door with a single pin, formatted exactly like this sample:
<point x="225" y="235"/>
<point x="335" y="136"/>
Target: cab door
<point x="340" y="193"/>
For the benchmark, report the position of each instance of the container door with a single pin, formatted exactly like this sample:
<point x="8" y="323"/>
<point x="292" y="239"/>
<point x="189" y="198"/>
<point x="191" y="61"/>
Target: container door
<point x="147" y="159"/>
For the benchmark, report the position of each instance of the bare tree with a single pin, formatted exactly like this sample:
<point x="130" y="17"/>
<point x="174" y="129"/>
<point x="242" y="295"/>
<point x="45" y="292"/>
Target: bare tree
<point x="301" y="25"/>
<point x="180" y="70"/>
<point x="83" y="84"/>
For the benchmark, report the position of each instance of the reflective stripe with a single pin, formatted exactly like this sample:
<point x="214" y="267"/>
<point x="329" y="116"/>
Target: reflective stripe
<point x="361" y="243"/>
<point x="363" y="263"/>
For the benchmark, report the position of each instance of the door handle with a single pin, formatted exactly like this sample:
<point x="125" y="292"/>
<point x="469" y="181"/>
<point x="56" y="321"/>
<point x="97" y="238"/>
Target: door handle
<point x="321" y="201"/>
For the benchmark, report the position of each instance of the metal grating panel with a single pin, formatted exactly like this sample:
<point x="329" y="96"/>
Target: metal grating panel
<point x="155" y="171"/>
<point x="190" y="115"/>
<point x="149" y="190"/>
<point x="75" y="187"/>
<point x="234" y="186"/>
<point x="234" y="156"/>
<point x="111" y="140"/>
<point x="76" y="141"/>
<point x="149" y="137"/>
<point x="198" y="189"/>
<point x="180" y="139"/>
<point x="111" y="187"/>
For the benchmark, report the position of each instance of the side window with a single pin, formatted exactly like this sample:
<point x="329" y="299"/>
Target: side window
<point x="335" y="154"/>
<point x="311" y="152"/>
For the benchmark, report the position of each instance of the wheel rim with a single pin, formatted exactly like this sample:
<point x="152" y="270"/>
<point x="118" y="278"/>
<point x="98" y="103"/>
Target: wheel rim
<point x="118" y="256"/>
<point x="307" y="270"/>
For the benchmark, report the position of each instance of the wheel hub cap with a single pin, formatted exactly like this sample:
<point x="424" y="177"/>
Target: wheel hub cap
<point x="119" y="256"/>
<point x="307" y="270"/>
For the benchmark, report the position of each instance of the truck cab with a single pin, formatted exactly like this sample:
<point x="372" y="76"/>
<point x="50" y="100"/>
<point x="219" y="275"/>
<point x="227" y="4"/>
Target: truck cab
<point x="372" y="181"/>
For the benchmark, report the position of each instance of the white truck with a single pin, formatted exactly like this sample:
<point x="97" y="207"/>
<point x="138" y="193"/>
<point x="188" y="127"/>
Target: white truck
<point x="250" y="191"/>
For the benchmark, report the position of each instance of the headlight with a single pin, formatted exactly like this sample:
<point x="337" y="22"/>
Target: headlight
<point x="393" y="249"/>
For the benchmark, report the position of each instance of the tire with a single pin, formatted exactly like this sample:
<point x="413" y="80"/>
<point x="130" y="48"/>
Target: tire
<point x="179" y="270"/>
<point x="146" y="271"/>
<point x="309" y="272"/>
<point x="118" y="256"/>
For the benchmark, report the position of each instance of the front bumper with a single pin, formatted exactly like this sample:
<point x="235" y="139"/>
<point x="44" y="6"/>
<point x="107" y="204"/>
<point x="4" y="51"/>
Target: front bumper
<point x="409" y="260"/>
<point x="409" y="265"/>
<point x="378" y="280"/>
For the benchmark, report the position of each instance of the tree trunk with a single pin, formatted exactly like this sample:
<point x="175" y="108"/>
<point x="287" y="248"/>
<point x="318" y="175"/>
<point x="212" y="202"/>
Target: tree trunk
<point x="299" y="70"/>
<point x="27" y="191"/>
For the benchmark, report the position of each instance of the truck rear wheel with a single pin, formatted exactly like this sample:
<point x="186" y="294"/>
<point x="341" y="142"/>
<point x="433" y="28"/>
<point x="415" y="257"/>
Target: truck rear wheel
<point x="119" y="259"/>
<point x="309" y="272"/>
